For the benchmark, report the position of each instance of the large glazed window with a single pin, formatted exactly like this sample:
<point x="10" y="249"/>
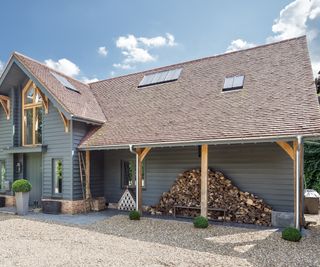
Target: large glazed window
<point x="2" y="174"/>
<point x="57" y="176"/>
<point x="32" y="113"/>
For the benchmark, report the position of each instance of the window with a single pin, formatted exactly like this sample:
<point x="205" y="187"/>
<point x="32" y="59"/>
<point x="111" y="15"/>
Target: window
<point x="32" y="108"/>
<point x="2" y="174"/>
<point x="160" y="77"/>
<point x="233" y="83"/>
<point x="128" y="173"/>
<point x="65" y="82"/>
<point x="57" y="176"/>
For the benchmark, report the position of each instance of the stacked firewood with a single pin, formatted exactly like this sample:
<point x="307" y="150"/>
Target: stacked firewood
<point x="241" y="207"/>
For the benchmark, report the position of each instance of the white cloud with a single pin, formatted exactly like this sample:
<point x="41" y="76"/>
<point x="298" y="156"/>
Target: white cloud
<point x="137" y="49"/>
<point x="296" y="19"/>
<point x="239" y="44"/>
<point x="88" y="80"/>
<point x="63" y="65"/>
<point x="293" y="20"/>
<point x="122" y="66"/>
<point x="103" y="51"/>
<point x="1" y="67"/>
<point x="315" y="67"/>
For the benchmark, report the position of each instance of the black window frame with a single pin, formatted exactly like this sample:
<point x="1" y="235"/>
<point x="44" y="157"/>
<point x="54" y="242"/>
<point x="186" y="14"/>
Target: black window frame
<point x="122" y="171"/>
<point x="232" y="88"/>
<point x="2" y="185"/>
<point x="54" y="177"/>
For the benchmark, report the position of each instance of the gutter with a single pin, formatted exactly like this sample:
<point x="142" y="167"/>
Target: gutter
<point x="81" y="119"/>
<point x="137" y="174"/>
<point x="297" y="197"/>
<point x="200" y="142"/>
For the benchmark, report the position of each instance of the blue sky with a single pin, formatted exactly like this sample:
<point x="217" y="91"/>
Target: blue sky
<point x="98" y="39"/>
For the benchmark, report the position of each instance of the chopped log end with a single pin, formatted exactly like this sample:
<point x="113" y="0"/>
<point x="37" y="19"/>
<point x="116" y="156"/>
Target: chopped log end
<point x="241" y="207"/>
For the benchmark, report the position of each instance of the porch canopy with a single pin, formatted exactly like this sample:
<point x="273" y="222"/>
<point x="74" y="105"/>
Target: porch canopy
<point x="275" y="102"/>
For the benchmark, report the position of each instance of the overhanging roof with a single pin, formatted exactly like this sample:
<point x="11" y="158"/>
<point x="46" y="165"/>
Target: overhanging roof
<point x="278" y="99"/>
<point x="80" y="105"/>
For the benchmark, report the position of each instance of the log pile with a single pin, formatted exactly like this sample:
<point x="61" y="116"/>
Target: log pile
<point x="241" y="207"/>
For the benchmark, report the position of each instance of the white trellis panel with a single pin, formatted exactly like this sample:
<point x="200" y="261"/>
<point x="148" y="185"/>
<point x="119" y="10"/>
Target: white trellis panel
<point x="127" y="201"/>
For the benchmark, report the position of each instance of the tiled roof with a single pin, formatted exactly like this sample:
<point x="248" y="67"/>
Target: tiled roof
<point x="278" y="99"/>
<point x="82" y="104"/>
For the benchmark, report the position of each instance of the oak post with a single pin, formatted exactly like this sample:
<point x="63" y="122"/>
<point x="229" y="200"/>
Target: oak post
<point x="204" y="180"/>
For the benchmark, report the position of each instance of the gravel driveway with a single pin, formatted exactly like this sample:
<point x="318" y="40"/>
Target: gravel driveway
<point x="118" y="241"/>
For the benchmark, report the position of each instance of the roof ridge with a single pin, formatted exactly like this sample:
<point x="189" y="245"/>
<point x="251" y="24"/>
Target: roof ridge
<point x="200" y="59"/>
<point x="51" y="69"/>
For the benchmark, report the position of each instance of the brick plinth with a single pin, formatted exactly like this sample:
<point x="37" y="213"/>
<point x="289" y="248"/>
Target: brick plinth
<point x="78" y="206"/>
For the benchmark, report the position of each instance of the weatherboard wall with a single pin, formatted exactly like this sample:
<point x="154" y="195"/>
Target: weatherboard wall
<point x="263" y="169"/>
<point x="58" y="147"/>
<point x="6" y="139"/>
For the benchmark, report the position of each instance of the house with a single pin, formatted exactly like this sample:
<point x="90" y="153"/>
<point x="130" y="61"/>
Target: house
<point x="248" y="111"/>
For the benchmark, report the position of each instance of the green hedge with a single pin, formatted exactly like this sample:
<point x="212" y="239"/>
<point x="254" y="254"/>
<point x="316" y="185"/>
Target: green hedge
<point x="312" y="165"/>
<point x="200" y="222"/>
<point x="21" y="185"/>
<point x="134" y="215"/>
<point x="291" y="234"/>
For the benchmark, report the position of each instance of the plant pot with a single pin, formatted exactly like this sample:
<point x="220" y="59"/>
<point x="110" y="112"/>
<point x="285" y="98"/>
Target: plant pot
<point x="22" y="202"/>
<point x="2" y="202"/>
<point x="51" y="207"/>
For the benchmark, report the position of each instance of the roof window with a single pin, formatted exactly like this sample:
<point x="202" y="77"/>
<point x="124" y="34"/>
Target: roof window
<point x="65" y="82"/>
<point x="160" y="77"/>
<point x="233" y="83"/>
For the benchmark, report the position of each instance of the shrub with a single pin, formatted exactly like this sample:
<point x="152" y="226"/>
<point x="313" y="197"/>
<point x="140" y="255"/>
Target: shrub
<point x="134" y="215"/>
<point x="291" y="234"/>
<point x="200" y="222"/>
<point x="21" y="185"/>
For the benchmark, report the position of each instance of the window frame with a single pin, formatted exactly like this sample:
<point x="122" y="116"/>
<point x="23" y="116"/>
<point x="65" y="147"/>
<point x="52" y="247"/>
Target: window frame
<point x="31" y="106"/>
<point x="144" y="170"/>
<point x="233" y="86"/>
<point x="53" y="177"/>
<point x="2" y="180"/>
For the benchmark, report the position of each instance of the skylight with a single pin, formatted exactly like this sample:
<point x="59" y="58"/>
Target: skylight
<point x="64" y="82"/>
<point x="233" y="83"/>
<point x="160" y="77"/>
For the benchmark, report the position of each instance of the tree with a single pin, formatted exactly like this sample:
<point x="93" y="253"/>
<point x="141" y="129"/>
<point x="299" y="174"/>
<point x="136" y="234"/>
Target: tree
<point x="312" y="165"/>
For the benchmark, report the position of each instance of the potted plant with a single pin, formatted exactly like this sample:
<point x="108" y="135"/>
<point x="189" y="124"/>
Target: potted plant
<point x="22" y="188"/>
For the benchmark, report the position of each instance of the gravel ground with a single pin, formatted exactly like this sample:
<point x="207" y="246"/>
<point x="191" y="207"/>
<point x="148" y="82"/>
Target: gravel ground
<point x="259" y="247"/>
<point x="118" y="241"/>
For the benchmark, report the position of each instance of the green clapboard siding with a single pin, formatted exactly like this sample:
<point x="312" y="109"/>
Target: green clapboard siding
<point x="6" y="140"/>
<point x="59" y="147"/>
<point x="262" y="169"/>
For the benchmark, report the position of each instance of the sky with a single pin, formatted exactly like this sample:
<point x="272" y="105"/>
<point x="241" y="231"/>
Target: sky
<point x="94" y="40"/>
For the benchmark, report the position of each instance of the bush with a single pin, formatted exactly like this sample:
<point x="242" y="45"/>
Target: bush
<point x="291" y="234"/>
<point x="21" y="185"/>
<point x="134" y="215"/>
<point x="200" y="222"/>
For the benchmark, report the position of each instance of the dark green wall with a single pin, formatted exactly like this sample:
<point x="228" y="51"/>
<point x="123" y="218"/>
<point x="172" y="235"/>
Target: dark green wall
<point x="262" y="169"/>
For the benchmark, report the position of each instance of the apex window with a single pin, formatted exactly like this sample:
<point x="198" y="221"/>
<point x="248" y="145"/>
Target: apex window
<point x="32" y="114"/>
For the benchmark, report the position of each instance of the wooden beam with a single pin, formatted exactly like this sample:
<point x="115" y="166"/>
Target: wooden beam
<point x="138" y="180"/>
<point x="144" y="153"/>
<point x="66" y="122"/>
<point x="87" y="171"/>
<point x="45" y="101"/>
<point x="287" y="148"/>
<point x="5" y="103"/>
<point x="295" y="146"/>
<point x="204" y="180"/>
